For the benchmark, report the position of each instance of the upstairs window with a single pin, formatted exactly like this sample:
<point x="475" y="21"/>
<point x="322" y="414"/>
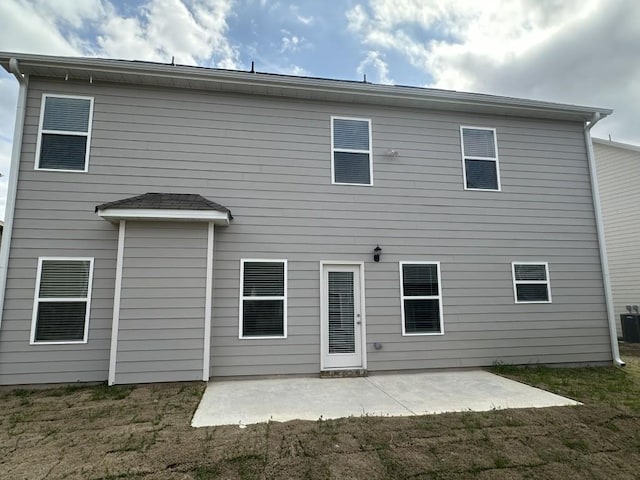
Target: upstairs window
<point x="480" y="158"/>
<point x="421" y="298"/>
<point x="351" y="162"/>
<point x="62" y="300"/>
<point x="263" y="299"/>
<point x="65" y="131"/>
<point x="531" y="282"/>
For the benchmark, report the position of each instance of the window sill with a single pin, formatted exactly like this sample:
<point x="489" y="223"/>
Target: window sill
<point x="532" y="301"/>
<point x="483" y="189"/>
<point x="429" y="334"/>
<point x="38" y="169"/>
<point x="353" y="184"/>
<point x="279" y="337"/>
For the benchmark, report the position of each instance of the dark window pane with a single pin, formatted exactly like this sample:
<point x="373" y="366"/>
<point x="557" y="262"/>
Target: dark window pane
<point x="263" y="318"/>
<point x="420" y="280"/>
<point x="530" y="272"/>
<point x="60" y="321"/>
<point x="478" y="143"/>
<point x="532" y="292"/>
<point x="63" y="152"/>
<point x="263" y="279"/>
<point x="422" y="316"/>
<point x="67" y="114"/>
<point x="481" y="174"/>
<point x="350" y="134"/>
<point x="351" y="168"/>
<point x="341" y="313"/>
<point x="64" y="278"/>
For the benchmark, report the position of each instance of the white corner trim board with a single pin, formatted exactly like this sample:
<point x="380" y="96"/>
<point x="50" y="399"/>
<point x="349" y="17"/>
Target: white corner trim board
<point x="116" y="303"/>
<point x="208" y="305"/>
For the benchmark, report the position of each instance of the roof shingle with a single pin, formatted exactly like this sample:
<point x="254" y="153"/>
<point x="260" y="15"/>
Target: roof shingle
<point x="165" y="201"/>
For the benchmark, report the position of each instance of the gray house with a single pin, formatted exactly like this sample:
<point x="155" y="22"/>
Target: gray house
<point x="171" y="223"/>
<point x="618" y="166"/>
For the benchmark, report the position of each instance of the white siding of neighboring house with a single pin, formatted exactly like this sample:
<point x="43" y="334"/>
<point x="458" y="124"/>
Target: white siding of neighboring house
<point x="619" y="181"/>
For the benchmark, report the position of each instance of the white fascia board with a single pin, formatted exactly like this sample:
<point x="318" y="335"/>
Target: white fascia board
<point x="117" y="214"/>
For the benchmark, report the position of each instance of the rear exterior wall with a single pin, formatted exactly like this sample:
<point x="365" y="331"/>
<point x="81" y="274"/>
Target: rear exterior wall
<point x="269" y="161"/>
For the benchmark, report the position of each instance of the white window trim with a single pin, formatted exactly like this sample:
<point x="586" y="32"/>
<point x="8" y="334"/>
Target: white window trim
<point x="36" y="301"/>
<point x="279" y="297"/>
<point x="546" y="282"/>
<point x="41" y="131"/>
<point x="469" y="157"/>
<point x="348" y="150"/>
<point x="421" y="297"/>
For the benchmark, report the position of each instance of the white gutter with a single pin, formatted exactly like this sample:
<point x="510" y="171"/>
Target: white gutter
<point x="16" y="152"/>
<point x="604" y="261"/>
<point x="291" y="86"/>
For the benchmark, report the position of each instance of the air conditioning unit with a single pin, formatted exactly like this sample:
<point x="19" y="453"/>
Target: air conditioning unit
<point x="630" y="327"/>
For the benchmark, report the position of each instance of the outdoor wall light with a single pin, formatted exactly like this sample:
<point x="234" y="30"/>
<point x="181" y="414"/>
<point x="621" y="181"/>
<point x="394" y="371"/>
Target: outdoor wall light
<point x="376" y="253"/>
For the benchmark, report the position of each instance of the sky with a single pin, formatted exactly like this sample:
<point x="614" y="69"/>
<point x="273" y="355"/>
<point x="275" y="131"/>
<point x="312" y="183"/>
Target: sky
<point x="583" y="52"/>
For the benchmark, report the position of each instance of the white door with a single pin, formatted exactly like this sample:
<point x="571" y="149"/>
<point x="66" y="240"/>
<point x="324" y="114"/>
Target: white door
<point x="342" y="317"/>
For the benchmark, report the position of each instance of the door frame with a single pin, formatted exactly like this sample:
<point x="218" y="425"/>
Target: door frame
<point x="324" y="328"/>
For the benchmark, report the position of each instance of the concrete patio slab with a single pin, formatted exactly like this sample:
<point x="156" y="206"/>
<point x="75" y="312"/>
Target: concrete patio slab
<point x="244" y="402"/>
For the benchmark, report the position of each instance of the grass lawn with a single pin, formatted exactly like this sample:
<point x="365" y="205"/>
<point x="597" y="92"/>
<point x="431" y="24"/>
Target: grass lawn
<point x="143" y="432"/>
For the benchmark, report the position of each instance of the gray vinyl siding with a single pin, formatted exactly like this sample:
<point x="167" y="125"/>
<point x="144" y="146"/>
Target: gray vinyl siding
<point x="618" y="177"/>
<point x="269" y="161"/>
<point x="161" y="330"/>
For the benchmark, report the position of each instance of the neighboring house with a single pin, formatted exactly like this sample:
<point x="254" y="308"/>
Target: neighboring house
<point x="618" y="166"/>
<point x="374" y="227"/>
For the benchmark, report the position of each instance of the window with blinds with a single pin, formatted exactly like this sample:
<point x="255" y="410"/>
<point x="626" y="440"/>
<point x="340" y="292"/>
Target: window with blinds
<point x="421" y="298"/>
<point x="531" y="282"/>
<point x="62" y="300"/>
<point x="351" y="161"/>
<point x="263" y="298"/>
<point x="65" y="130"/>
<point x="480" y="158"/>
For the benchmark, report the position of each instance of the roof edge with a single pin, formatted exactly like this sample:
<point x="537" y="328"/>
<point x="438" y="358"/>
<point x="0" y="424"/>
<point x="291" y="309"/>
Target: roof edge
<point x="292" y="84"/>
<point x="611" y="143"/>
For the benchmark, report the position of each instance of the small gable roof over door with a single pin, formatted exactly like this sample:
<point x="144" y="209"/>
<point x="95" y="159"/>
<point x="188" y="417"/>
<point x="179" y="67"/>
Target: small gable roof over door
<point x="165" y="206"/>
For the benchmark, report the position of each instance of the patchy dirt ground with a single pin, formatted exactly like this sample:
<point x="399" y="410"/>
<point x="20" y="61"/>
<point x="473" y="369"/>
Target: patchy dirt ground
<point x="143" y="432"/>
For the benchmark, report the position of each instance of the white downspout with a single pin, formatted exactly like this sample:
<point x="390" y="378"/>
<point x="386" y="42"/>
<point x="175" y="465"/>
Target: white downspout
<point x="16" y="152"/>
<point x="604" y="261"/>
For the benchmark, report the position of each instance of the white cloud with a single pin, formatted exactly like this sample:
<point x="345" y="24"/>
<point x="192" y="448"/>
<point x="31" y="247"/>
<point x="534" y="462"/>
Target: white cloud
<point x="304" y="19"/>
<point x="169" y="28"/>
<point x="194" y="31"/>
<point x="493" y="31"/>
<point x="291" y="43"/>
<point x="374" y="62"/>
<point x="8" y="101"/>
<point x="26" y="29"/>
<point x="72" y="12"/>
<point x="5" y="162"/>
<point x="577" y="51"/>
